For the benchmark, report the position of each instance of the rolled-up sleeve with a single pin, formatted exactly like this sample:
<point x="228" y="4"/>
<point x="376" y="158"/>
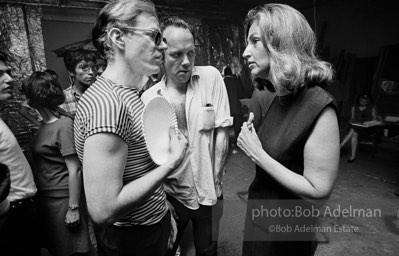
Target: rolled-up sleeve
<point x="221" y="102"/>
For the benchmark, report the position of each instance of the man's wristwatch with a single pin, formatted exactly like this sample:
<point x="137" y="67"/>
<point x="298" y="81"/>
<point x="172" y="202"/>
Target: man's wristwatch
<point x="73" y="207"/>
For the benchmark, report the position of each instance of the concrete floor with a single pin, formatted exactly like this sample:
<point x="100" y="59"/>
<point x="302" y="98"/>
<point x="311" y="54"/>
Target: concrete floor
<point x="368" y="183"/>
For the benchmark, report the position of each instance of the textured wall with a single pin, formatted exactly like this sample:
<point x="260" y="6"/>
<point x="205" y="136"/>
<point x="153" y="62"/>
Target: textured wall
<point x="35" y="37"/>
<point x="225" y="45"/>
<point x="21" y="37"/>
<point x="14" y="18"/>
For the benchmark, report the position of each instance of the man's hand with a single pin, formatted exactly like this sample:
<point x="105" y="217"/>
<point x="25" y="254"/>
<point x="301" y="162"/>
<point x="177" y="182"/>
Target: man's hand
<point x="173" y="224"/>
<point x="173" y="233"/>
<point x="172" y="210"/>
<point x="177" y="147"/>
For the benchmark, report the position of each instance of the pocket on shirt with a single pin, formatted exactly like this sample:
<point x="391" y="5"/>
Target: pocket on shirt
<point x="206" y="120"/>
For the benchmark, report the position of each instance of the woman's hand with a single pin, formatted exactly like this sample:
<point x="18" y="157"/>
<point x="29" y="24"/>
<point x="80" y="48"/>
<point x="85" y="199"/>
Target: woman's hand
<point x="249" y="142"/>
<point x="72" y="218"/>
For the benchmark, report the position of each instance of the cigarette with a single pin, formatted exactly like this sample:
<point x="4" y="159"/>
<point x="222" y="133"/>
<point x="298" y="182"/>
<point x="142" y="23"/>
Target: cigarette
<point x="250" y="120"/>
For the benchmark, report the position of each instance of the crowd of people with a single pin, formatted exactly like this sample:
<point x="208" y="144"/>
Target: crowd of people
<point x="93" y="188"/>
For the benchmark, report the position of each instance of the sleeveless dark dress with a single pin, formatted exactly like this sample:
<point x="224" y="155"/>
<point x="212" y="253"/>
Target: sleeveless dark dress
<point x="283" y="133"/>
<point x="364" y="115"/>
<point x="361" y="116"/>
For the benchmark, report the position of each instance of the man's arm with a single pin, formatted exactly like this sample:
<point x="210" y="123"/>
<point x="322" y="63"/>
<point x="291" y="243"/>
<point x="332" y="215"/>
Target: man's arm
<point x="223" y="121"/>
<point x="221" y="152"/>
<point x="104" y="163"/>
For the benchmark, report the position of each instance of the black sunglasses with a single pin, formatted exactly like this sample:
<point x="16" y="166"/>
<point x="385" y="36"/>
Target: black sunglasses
<point x="155" y="34"/>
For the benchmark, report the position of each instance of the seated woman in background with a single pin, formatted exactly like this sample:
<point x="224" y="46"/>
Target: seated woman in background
<point x="57" y="171"/>
<point x="363" y="115"/>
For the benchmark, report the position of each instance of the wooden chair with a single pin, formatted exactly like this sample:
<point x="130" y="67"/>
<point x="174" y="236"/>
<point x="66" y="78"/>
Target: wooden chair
<point x="371" y="136"/>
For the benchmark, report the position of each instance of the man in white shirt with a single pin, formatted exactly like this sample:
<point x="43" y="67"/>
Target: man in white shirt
<point x="200" y="100"/>
<point x="19" y="233"/>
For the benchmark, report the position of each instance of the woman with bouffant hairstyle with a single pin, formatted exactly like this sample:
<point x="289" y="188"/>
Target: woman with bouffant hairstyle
<point x="291" y="46"/>
<point x="296" y="145"/>
<point x="57" y="170"/>
<point x="43" y="91"/>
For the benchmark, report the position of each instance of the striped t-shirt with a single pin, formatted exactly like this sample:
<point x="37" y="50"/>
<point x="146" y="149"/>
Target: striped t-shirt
<point x="110" y="108"/>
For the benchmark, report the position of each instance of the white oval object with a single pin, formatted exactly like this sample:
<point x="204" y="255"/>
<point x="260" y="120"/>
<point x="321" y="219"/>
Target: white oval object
<point x="158" y="116"/>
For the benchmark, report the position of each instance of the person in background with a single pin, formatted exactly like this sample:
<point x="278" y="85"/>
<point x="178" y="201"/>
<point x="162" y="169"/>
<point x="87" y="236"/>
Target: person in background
<point x="82" y="69"/>
<point x="199" y="98"/>
<point x="123" y="185"/>
<point x="25" y="108"/>
<point x="233" y="87"/>
<point x="19" y="234"/>
<point x="246" y="82"/>
<point x="363" y="113"/>
<point x="296" y="146"/>
<point x="57" y="171"/>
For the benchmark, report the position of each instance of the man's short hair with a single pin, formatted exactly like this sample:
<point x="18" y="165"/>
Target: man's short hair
<point x="174" y="21"/>
<point x="74" y="57"/>
<point x="118" y="14"/>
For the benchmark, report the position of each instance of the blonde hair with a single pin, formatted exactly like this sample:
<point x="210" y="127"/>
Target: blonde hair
<point x="291" y="45"/>
<point x="118" y="14"/>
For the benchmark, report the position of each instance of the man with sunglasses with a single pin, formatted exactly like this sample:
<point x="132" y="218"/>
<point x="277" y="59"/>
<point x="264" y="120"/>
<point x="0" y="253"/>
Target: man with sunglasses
<point x="123" y="186"/>
<point x="199" y="97"/>
<point x="82" y="70"/>
<point x="18" y="235"/>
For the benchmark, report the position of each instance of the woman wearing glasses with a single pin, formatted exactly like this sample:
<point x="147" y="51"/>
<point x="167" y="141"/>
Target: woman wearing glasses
<point x="123" y="185"/>
<point x="296" y="146"/>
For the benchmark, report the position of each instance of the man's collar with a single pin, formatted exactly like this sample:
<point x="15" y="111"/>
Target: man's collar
<point x="194" y="74"/>
<point x="75" y="92"/>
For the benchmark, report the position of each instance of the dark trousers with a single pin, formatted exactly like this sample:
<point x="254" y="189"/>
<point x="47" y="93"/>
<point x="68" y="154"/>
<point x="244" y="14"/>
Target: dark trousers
<point x="134" y="241"/>
<point x="20" y="233"/>
<point x="205" y="221"/>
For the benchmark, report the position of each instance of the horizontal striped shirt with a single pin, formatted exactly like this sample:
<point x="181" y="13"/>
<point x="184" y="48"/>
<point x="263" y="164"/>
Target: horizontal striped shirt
<point x="107" y="107"/>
